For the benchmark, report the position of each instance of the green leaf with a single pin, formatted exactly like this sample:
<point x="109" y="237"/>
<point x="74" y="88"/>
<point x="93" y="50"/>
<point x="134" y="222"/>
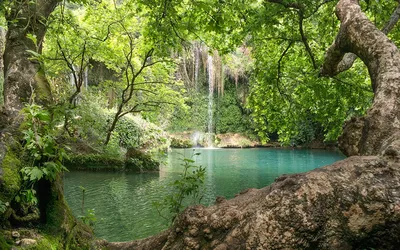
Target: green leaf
<point x="33" y="53"/>
<point x="35" y="174"/>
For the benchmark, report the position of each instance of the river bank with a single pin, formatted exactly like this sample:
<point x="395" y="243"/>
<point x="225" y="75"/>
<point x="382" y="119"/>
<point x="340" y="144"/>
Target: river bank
<point x="236" y="140"/>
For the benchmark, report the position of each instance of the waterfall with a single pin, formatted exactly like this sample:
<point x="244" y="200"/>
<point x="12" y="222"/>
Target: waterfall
<point x="196" y="62"/>
<point x="210" y="100"/>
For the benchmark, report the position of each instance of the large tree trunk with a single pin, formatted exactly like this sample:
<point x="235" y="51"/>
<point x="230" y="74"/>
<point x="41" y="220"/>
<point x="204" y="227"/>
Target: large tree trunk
<point x="372" y="134"/>
<point x="21" y="72"/>
<point x="2" y="116"/>
<point x="23" y="79"/>
<point x="352" y="204"/>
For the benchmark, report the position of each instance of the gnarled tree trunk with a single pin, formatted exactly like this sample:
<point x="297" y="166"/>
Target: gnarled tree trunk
<point x="23" y="79"/>
<point x="372" y="134"/>
<point x="20" y="71"/>
<point x="352" y="204"/>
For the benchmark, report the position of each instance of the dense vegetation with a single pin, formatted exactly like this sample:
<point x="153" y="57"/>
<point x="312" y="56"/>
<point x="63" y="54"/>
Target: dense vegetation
<point x="98" y="51"/>
<point x="109" y="79"/>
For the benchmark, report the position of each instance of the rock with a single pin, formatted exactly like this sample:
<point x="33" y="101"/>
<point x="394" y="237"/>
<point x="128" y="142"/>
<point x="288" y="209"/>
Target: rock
<point x="220" y="199"/>
<point x="194" y="232"/>
<point x="28" y="242"/>
<point x="231" y="140"/>
<point x="138" y="161"/>
<point x="15" y="234"/>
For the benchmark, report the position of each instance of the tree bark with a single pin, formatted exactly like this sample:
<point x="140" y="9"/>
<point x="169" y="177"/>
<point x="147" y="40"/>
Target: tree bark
<point x="349" y="58"/>
<point x="21" y="72"/>
<point x="352" y="204"/>
<point x="369" y="135"/>
<point x="24" y="76"/>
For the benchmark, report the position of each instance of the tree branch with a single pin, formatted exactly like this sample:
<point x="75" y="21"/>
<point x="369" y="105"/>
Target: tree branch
<point x="279" y="71"/>
<point x="304" y="39"/>
<point x="348" y="59"/>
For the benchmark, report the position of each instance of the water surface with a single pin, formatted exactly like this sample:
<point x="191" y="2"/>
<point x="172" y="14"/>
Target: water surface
<point x="123" y="201"/>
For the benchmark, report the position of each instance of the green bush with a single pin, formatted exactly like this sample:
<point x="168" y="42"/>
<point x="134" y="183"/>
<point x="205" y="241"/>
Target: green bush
<point x="180" y="143"/>
<point x="194" y="116"/>
<point x="95" y="162"/>
<point x="91" y="120"/>
<point x="138" y="161"/>
<point x="188" y="185"/>
<point x="230" y="117"/>
<point x="3" y="242"/>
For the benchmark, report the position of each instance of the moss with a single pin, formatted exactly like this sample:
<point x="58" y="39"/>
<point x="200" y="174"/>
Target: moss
<point x="180" y="143"/>
<point x="3" y="242"/>
<point x="138" y="161"/>
<point x="81" y="237"/>
<point x="94" y="162"/>
<point x="11" y="177"/>
<point x="48" y="242"/>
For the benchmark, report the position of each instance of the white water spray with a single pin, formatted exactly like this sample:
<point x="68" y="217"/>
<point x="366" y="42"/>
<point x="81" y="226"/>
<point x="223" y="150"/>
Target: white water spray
<point x="196" y="63"/>
<point x="210" y="100"/>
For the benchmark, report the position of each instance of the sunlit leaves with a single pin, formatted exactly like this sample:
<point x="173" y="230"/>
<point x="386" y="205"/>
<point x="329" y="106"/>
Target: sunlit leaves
<point x="286" y="91"/>
<point x="44" y="154"/>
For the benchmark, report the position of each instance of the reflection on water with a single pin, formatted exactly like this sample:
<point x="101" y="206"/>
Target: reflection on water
<point x="123" y="201"/>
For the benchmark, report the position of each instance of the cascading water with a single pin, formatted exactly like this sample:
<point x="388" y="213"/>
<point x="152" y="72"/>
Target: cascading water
<point x="210" y="100"/>
<point x="196" y="63"/>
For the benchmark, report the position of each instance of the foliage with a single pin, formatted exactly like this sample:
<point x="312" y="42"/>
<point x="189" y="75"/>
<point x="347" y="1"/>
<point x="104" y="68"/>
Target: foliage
<point x="3" y="206"/>
<point x="90" y="121"/>
<point x="44" y="153"/>
<point x="285" y="88"/>
<point x="89" y="218"/>
<point x="188" y="185"/>
<point x="95" y="162"/>
<point x="144" y="74"/>
<point x="135" y="132"/>
<point x="191" y="117"/>
<point x="44" y="156"/>
<point x="139" y="161"/>
<point x="3" y="242"/>
<point x="180" y="143"/>
<point x="231" y="115"/>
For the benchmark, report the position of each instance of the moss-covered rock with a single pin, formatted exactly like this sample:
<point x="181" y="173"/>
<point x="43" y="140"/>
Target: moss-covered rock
<point x="135" y="161"/>
<point x="139" y="161"/>
<point x="3" y="242"/>
<point x="94" y="162"/>
<point x="230" y="140"/>
<point x="180" y="143"/>
<point x="34" y="239"/>
<point x="11" y="177"/>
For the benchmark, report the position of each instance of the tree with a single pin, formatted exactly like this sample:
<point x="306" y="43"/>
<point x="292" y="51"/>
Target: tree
<point x="378" y="130"/>
<point x="114" y="35"/>
<point x="290" y="91"/>
<point x="352" y="204"/>
<point x="22" y="74"/>
<point x="25" y="82"/>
